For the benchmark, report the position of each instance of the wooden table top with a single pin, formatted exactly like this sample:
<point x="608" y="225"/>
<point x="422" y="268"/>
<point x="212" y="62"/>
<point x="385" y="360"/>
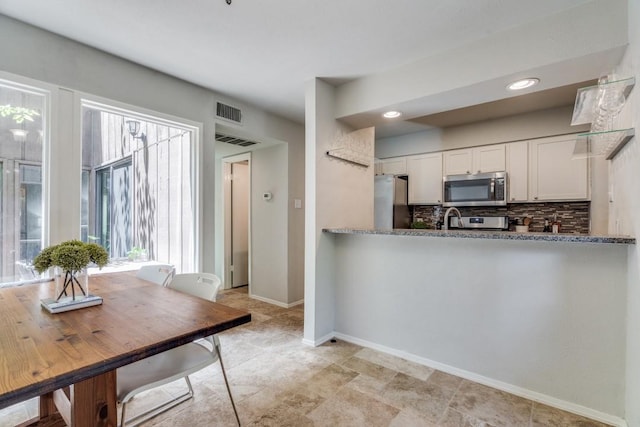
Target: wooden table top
<point x="42" y="352"/>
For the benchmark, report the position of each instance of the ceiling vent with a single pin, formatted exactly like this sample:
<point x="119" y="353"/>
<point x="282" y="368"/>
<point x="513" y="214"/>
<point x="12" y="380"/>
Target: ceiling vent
<point x="234" y="140"/>
<point x="228" y="112"/>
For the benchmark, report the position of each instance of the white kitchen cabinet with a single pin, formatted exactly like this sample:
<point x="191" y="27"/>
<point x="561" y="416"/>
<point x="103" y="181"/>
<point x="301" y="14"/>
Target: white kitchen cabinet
<point x="377" y="167"/>
<point x="458" y="162"/>
<point x="394" y="166"/>
<point x="425" y="179"/>
<point x="488" y="158"/>
<point x="517" y="163"/>
<point x="553" y="173"/>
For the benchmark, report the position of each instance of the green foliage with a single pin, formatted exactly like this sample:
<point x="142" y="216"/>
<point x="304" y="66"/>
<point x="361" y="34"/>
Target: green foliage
<point x="419" y="225"/>
<point x="72" y="255"/>
<point x="43" y="261"/>
<point x="97" y="254"/>
<point x="18" y="114"/>
<point x="136" y="252"/>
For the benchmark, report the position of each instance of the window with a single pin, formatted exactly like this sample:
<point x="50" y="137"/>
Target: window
<point x="22" y="229"/>
<point x="139" y="192"/>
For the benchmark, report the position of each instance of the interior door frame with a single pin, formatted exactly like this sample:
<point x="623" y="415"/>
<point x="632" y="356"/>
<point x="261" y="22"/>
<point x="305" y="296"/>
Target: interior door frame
<point x="226" y="215"/>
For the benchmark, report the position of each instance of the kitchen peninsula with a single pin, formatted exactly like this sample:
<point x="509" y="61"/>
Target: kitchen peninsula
<point x="490" y="234"/>
<point x="540" y="315"/>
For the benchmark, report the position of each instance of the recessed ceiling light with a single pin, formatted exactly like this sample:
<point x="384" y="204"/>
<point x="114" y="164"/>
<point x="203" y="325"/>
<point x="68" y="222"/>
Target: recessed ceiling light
<point x="523" y="84"/>
<point x="391" y="114"/>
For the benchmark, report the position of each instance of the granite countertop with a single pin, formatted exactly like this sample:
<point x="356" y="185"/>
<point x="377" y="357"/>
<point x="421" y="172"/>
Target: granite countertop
<point x="489" y="234"/>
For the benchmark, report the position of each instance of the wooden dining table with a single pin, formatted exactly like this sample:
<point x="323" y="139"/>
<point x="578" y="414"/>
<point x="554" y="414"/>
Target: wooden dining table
<point x="70" y="359"/>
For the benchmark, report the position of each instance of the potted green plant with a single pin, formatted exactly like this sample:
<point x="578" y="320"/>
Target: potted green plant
<point x="72" y="257"/>
<point x="137" y="254"/>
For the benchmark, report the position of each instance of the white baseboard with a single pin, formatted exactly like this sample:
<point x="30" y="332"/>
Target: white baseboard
<point x="319" y="341"/>
<point x="274" y="302"/>
<point x="510" y="388"/>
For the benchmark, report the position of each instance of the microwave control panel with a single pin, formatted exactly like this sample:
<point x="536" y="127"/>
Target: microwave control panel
<point x="500" y="189"/>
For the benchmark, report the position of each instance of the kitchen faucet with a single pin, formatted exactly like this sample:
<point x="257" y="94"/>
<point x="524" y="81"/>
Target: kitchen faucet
<point x="446" y="218"/>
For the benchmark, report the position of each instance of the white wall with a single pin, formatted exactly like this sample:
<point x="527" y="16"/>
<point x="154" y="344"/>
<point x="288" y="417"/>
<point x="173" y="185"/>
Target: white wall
<point x="269" y="223"/>
<point x="296" y="223"/>
<point x="538" y="124"/>
<point x="550" y="122"/>
<point x="623" y="215"/>
<point x="544" y="319"/>
<point x="406" y="145"/>
<point x="38" y="54"/>
<point x="339" y="194"/>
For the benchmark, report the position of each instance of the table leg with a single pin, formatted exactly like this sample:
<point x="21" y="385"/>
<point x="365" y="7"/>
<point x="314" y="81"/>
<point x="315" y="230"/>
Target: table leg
<point x="93" y="401"/>
<point x="47" y="406"/>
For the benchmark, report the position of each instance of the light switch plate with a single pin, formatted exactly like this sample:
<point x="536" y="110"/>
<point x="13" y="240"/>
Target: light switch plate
<point x="297" y="203"/>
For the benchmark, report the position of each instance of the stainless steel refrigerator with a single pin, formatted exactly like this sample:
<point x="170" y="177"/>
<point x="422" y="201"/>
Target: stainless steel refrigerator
<point x="390" y="207"/>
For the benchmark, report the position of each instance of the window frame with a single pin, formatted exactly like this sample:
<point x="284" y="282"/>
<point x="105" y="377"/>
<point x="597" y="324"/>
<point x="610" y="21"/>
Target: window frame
<point x="48" y="93"/>
<point x="62" y="161"/>
<point x="83" y="99"/>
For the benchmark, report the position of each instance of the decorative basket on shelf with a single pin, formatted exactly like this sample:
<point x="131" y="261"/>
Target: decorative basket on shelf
<point x="70" y="260"/>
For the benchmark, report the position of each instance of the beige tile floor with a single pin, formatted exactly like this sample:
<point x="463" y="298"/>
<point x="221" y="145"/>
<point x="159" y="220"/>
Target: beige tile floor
<point x="278" y="381"/>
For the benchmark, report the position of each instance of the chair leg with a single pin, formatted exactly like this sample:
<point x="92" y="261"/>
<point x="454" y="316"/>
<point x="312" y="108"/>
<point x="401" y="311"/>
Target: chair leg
<point x="124" y="405"/>
<point x="158" y="409"/>
<point x="224" y="374"/>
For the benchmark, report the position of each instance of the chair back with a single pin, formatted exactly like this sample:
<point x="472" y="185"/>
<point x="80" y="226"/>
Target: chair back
<point x="160" y="274"/>
<point x="25" y="271"/>
<point x="203" y="285"/>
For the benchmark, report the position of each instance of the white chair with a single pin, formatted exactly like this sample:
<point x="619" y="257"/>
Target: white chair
<point x="25" y="271"/>
<point x="156" y="273"/>
<point x="176" y="363"/>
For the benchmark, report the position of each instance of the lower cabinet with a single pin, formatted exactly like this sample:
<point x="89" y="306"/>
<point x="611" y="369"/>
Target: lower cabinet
<point x="425" y="179"/>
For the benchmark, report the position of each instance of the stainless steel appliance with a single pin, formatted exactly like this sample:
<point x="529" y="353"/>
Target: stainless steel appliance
<point x="390" y="207"/>
<point x="480" y="222"/>
<point x="481" y="189"/>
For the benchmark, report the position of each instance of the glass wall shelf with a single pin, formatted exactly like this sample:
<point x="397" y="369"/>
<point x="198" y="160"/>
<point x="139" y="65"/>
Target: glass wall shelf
<point x="591" y="100"/>
<point x="600" y="105"/>
<point x="602" y="144"/>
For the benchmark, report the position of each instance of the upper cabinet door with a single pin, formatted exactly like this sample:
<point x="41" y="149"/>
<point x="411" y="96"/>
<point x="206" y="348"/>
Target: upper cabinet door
<point x="425" y="179"/>
<point x="517" y="171"/>
<point x="458" y="162"/>
<point x="394" y="166"/>
<point x="489" y="158"/>
<point x="553" y="173"/>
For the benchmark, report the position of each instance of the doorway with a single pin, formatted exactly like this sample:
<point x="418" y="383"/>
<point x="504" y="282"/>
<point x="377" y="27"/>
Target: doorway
<point x="237" y="191"/>
<point x="113" y="210"/>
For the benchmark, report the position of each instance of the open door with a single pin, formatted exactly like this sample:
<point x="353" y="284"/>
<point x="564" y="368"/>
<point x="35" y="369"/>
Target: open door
<point x="240" y="224"/>
<point x="237" y="192"/>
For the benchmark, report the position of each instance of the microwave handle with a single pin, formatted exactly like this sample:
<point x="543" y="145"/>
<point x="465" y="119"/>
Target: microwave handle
<point x="492" y="188"/>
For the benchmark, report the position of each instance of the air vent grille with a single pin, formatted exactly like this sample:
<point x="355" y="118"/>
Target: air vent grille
<point x="234" y="140"/>
<point x="228" y="112"/>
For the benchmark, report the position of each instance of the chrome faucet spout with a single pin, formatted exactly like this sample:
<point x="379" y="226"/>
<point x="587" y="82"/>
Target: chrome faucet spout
<point x="446" y="218"/>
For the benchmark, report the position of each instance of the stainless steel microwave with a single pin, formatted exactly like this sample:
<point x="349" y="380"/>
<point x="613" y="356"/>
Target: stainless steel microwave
<point x="481" y="189"/>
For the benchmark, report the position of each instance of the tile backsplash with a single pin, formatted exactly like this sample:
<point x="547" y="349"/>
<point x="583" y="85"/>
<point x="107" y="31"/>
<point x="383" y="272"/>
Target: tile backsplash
<point x="573" y="216"/>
